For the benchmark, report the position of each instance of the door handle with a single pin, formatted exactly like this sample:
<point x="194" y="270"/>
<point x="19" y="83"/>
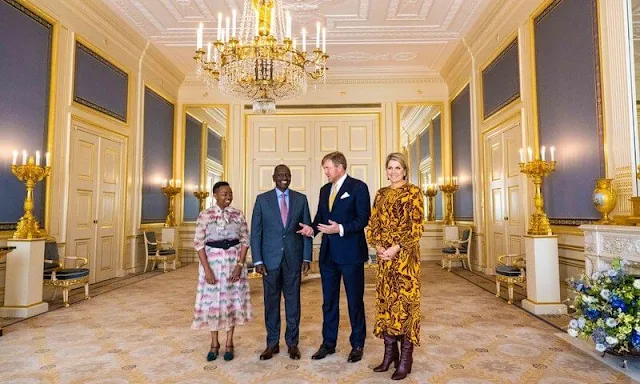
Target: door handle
<point x="95" y="221"/>
<point x="506" y="218"/>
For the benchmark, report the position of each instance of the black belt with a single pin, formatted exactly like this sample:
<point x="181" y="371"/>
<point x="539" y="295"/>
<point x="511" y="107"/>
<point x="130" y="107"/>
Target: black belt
<point x="223" y="244"/>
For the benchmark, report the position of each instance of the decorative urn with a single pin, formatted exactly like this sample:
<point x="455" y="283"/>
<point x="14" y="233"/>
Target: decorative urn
<point x="604" y="199"/>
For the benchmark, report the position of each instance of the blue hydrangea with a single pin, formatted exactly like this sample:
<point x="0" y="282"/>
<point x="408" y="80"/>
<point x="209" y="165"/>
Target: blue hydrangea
<point x="592" y="314"/>
<point x="617" y="303"/>
<point x="599" y="335"/>
<point x="635" y="339"/>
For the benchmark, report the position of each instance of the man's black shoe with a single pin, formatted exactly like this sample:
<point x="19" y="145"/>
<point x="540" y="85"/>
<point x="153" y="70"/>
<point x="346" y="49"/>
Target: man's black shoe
<point x="355" y="355"/>
<point x="294" y="352"/>
<point x="323" y="351"/>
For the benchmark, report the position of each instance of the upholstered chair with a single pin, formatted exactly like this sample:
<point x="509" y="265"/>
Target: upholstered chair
<point x="510" y="269"/>
<point x="57" y="275"/>
<point x="458" y="250"/>
<point x="157" y="251"/>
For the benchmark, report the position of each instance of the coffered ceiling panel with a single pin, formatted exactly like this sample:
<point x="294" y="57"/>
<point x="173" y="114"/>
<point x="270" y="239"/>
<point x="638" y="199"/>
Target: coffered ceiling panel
<point x="382" y="36"/>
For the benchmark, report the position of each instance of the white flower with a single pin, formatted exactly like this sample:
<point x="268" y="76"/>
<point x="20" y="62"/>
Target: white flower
<point x="582" y="322"/>
<point x="636" y="283"/>
<point x="637" y="329"/>
<point x="573" y="324"/>
<point x="588" y="299"/>
<point x="611" y="322"/>
<point x="612" y="273"/>
<point x="572" y="332"/>
<point x="605" y="293"/>
<point x="600" y="348"/>
<point x="595" y="275"/>
<point x="612" y="340"/>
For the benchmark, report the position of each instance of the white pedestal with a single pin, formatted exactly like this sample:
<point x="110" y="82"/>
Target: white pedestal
<point x="450" y="232"/>
<point x="543" y="276"/>
<point x="23" y="282"/>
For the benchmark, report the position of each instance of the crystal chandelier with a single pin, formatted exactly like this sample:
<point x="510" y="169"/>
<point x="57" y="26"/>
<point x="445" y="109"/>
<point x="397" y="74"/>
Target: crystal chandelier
<point x="262" y="62"/>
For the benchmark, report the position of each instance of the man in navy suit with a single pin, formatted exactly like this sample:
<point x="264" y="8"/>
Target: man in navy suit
<point x="343" y="213"/>
<point x="279" y="255"/>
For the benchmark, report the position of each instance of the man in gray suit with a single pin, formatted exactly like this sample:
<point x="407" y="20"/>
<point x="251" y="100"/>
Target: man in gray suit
<point x="279" y="255"/>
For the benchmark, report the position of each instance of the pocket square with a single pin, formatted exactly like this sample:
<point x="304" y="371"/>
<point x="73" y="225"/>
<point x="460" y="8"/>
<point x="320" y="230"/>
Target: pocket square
<point x="344" y="195"/>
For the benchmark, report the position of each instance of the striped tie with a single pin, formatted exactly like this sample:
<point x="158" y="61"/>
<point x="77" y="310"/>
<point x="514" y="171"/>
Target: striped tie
<point x="284" y="210"/>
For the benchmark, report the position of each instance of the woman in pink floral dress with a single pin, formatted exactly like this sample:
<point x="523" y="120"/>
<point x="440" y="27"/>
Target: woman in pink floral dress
<point x="222" y="297"/>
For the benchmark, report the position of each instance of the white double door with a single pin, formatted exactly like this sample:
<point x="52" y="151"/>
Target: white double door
<point x="95" y="197"/>
<point x="505" y="192"/>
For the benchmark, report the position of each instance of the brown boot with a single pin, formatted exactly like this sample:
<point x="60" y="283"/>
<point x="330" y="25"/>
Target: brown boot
<point x="406" y="360"/>
<point x="391" y="354"/>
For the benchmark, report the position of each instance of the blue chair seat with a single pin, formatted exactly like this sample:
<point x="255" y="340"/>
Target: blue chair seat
<point x="452" y="250"/>
<point x="68" y="274"/>
<point x="507" y="270"/>
<point x="164" y="252"/>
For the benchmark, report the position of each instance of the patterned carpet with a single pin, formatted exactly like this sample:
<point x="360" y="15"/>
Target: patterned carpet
<point x="140" y="333"/>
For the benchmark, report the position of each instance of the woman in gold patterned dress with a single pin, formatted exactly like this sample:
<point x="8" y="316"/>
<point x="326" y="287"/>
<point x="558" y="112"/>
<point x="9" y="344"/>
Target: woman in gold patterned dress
<point x="395" y="228"/>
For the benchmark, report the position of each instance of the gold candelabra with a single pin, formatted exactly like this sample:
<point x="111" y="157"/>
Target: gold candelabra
<point x="171" y="191"/>
<point x="30" y="174"/>
<point x="202" y="197"/>
<point x="537" y="170"/>
<point x="430" y="192"/>
<point x="449" y="190"/>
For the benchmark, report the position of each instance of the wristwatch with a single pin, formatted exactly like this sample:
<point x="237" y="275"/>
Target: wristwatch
<point x="241" y="263"/>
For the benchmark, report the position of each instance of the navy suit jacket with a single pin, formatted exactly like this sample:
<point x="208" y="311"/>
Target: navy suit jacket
<point x="270" y="240"/>
<point x="351" y="208"/>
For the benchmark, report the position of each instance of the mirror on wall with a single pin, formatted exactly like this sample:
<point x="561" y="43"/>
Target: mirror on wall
<point x="204" y="154"/>
<point x="420" y="140"/>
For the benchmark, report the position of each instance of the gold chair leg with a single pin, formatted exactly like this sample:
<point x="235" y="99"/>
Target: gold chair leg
<point x="146" y="263"/>
<point x="164" y="266"/>
<point x="510" y="288"/>
<point x="497" y="288"/>
<point x="65" y="296"/>
<point x="449" y="265"/>
<point x="469" y="262"/>
<point x="174" y="263"/>
<point x="86" y="291"/>
<point x="443" y="264"/>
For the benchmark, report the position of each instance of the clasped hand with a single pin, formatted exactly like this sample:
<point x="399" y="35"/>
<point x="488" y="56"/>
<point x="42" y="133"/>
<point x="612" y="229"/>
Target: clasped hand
<point x="262" y="270"/>
<point x="387" y="254"/>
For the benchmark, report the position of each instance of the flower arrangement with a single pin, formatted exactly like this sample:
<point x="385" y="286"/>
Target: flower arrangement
<point x="607" y="305"/>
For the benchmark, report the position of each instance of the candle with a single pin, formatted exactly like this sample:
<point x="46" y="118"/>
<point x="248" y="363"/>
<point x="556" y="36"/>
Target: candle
<point x="455" y="180"/>
<point x="324" y="39"/>
<point x="219" y="26"/>
<point x="553" y="151"/>
<point x="199" y="33"/>
<point x="318" y="34"/>
<point x="164" y="182"/>
<point x="440" y="181"/>
<point x="543" y="151"/>
<point x="295" y="43"/>
<point x="24" y="156"/>
<point x="226" y="22"/>
<point x="530" y="152"/>
<point x="47" y="159"/>
<point x="171" y="182"/>
<point x="208" y="52"/>
<point x="288" y="23"/>
<point x="304" y="40"/>
<point x="233" y="28"/>
<point x="178" y="183"/>
<point x="15" y="157"/>
<point x="521" y="155"/>
<point x="37" y="157"/>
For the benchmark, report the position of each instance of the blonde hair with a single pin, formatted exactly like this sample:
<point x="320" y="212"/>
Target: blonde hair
<point x="337" y="158"/>
<point x="400" y="158"/>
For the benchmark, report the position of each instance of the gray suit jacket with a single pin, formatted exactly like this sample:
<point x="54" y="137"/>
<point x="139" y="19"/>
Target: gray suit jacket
<point x="270" y="240"/>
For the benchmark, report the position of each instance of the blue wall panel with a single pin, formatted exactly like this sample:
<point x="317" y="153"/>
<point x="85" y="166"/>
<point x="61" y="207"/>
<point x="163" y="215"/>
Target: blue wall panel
<point x="192" y="163"/>
<point x="157" y="155"/>
<point x="501" y="80"/>
<point x="25" y="70"/>
<point x="214" y="147"/>
<point x="99" y="84"/>
<point x="437" y="161"/>
<point x="569" y="106"/>
<point x="461" y="138"/>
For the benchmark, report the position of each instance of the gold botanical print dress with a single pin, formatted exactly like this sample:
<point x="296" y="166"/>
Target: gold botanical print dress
<point x="396" y="218"/>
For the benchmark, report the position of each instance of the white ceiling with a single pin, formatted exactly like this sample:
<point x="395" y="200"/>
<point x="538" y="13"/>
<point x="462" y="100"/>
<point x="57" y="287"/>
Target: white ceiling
<point x="363" y="36"/>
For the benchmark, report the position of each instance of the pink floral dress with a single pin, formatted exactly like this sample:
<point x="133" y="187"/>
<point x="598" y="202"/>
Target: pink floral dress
<point x="224" y="304"/>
